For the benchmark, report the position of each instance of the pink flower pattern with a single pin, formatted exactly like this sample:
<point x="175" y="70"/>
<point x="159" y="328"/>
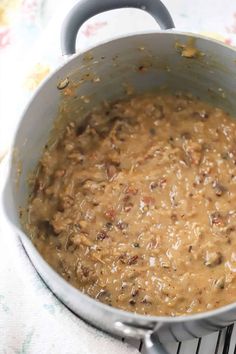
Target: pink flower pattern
<point x="91" y="29"/>
<point x="232" y="28"/>
<point x="5" y="37"/>
<point x="30" y="10"/>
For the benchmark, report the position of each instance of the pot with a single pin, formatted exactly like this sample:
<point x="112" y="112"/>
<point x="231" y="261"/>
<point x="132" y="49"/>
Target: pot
<point x="210" y="73"/>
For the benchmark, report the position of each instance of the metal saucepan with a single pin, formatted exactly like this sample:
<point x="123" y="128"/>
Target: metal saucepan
<point x="211" y="75"/>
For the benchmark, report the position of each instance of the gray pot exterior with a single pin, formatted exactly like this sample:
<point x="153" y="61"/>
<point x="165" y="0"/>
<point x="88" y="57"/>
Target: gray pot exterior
<point x="106" y="72"/>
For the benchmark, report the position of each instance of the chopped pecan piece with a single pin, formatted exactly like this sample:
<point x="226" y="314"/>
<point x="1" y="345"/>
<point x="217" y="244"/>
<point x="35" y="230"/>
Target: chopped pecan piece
<point x="132" y="260"/>
<point x="122" y="225"/>
<point x="218" y="188"/>
<point x="111" y="171"/>
<point x="202" y="115"/>
<point x="194" y="152"/>
<point x="213" y="259"/>
<point x="110" y="214"/>
<point x="131" y="190"/>
<point x="132" y="302"/>
<point x="84" y="273"/>
<point x="102" y="235"/>
<point x="217" y="219"/>
<point x="161" y="183"/>
<point x="148" y="200"/>
<point x="146" y="300"/>
<point x="134" y="292"/>
<point x="219" y="283"/>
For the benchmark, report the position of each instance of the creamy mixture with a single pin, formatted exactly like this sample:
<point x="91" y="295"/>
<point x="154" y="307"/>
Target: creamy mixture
<point x="137" y="207"/>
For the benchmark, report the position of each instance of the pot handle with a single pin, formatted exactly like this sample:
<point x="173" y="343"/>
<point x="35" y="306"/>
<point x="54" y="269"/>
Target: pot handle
<point x="150" y="344"/>
<point x="152" y="347"/>
<point x="85" y="9"/>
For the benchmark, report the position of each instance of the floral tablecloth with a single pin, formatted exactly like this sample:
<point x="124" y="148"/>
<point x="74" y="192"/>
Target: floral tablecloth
<point x="32" y="320"/>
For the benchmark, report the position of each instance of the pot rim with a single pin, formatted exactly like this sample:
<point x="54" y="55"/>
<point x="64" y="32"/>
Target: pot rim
<point x="172" y="31"/>
<point x="113" y="310"/>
